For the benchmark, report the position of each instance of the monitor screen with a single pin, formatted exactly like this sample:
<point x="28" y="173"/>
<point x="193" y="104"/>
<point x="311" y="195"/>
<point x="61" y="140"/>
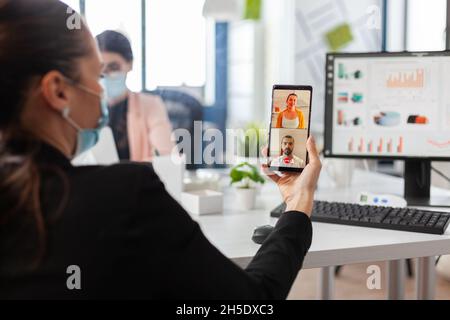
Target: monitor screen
<point x="388" y="105"/>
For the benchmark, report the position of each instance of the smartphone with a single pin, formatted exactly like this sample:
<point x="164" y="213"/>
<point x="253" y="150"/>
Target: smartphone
<point x="289" y="127"/>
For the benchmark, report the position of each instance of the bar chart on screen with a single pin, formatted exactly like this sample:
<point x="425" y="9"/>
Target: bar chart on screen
<point x="391" y="106"/>
<point x="377" y="145"/>
<point x="405" y="83"/>
<point x="406" y="79"/>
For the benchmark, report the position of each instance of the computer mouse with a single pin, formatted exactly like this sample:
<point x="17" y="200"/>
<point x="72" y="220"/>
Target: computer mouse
<point x="261" y="233"/>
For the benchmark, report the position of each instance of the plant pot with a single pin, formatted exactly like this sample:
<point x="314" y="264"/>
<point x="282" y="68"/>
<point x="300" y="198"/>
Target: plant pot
<point x="246" y="198"/>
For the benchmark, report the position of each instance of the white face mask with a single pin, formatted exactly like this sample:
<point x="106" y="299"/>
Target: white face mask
<point x="115" y="85"/>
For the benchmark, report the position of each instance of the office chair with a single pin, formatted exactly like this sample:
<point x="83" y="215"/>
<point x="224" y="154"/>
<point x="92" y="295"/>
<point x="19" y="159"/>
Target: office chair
<point x="184" y="110"/>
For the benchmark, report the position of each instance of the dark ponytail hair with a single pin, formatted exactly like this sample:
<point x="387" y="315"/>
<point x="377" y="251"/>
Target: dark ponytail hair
<point x="35" y="39"/>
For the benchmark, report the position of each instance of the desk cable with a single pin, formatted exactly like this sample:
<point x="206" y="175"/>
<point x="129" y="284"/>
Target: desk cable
<point x="440" y="174"/>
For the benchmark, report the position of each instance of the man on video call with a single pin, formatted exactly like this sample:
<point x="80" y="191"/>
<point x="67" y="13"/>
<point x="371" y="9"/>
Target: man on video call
<point x="287" y="157"/>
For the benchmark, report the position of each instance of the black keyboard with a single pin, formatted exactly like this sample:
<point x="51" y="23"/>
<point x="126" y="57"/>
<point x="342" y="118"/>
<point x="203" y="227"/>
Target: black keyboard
<point x="403" y="219"/>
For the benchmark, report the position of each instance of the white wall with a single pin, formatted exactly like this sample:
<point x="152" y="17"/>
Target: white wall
<point x="288" y="47"/>
<point x="246" y="73"/>
<point x="313" y="19"/>
<point x="260" y="54"/>
<point x="279" y="28"/>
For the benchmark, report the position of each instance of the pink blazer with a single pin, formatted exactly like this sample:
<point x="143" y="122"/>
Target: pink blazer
<point x="149" y="128"/>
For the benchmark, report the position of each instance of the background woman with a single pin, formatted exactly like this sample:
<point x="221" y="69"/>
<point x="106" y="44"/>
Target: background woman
<point x="139" y="121"/>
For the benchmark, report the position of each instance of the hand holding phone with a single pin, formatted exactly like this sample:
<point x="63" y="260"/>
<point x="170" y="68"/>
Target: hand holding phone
<point x="297" y="189"/>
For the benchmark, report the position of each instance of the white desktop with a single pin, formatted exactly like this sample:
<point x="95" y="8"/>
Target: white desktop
<point x="391" y="106"/>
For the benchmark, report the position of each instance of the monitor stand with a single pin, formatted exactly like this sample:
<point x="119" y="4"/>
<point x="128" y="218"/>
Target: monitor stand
<point x="418" y="184"/>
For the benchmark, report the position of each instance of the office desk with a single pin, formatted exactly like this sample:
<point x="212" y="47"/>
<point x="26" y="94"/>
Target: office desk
<point x="332" y="244"/>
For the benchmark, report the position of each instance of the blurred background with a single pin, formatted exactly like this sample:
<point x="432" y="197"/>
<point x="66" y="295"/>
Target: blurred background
<point x="228" y="54"/>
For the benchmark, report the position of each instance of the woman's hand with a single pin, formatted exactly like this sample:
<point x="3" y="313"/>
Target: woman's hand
<point x="298" y="189"/>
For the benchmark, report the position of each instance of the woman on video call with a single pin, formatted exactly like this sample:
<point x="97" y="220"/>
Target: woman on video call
<point x="291" y="117"/>
<point x="116" y="224"/>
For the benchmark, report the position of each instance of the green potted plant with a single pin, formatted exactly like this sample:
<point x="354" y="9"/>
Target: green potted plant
<point x="246" y="176"/>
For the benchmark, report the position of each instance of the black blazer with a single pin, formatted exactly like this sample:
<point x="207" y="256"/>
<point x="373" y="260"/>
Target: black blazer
<point x="132" y="240"/>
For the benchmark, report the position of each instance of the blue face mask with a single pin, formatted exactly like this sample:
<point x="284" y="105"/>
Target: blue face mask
<point x="116" y="85"/>
<point x="88" y="138"/>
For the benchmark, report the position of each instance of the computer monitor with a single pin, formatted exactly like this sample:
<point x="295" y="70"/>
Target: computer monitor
<point x="391" y="106"/>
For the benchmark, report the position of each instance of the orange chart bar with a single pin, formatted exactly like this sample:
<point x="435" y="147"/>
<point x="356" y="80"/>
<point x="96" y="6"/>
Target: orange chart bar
<point x="361" y="145"/>
<point x="380" y="145"/>
<point x="389" y="145"/>
<point x="350" y="145"/>
<point x="370" y="146"/>
<point x="400" y="145"/>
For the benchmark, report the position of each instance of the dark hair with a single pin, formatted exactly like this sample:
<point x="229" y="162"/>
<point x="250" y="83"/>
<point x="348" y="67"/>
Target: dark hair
<point x="287" y="137"/>
<point x="115" y="42"/>
<point x="290" y="95"/>
<point x="35" y="39"/>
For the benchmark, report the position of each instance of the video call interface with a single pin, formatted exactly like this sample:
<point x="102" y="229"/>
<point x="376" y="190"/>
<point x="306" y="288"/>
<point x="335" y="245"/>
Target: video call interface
<point x="289" y="128"/>
<point x="391" y="106"/>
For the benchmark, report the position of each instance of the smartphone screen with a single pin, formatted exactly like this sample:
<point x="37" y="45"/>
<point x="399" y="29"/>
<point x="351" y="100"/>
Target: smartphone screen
<point x="289" y="128"/>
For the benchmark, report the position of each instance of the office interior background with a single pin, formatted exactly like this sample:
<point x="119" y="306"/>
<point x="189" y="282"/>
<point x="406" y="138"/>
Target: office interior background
<point x="230" y="66"/>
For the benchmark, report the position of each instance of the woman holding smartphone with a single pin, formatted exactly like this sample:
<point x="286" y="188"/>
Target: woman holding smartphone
<point x="116" y="224"/>
<point x="291" y="117"/>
